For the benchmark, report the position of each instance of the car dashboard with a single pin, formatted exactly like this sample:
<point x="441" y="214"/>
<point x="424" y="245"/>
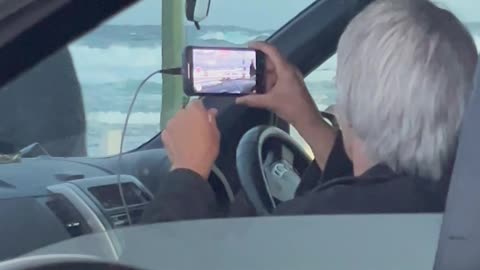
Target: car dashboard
<point x="45" y="200"/>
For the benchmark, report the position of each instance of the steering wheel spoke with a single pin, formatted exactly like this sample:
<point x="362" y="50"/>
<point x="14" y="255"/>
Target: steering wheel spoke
<point x="268" y="162"/>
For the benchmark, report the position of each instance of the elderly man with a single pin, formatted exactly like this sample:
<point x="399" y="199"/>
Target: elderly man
<point x="404" y="76"/>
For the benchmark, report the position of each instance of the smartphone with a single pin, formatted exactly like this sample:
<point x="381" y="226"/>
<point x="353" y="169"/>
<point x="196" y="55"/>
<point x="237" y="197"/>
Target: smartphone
<point x="223" y="71"/>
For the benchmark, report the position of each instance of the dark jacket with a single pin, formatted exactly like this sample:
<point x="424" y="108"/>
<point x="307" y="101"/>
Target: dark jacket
<point x="185" y="195"/>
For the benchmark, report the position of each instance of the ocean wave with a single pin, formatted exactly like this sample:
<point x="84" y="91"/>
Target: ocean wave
<point x="118" y="63"/>
<point x="321" y="75"/>
<point x="115" y="63"/>
<point x="234" y="37"/>
<point x="118" y="118"/>
<point x="151" y="36"/>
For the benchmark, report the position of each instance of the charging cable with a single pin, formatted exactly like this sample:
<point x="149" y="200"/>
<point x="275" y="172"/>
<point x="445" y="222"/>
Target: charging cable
<point x="170" y="71"/>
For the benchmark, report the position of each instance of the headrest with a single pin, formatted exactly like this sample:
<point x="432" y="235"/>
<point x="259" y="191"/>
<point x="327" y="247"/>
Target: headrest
<point x="460" y="234"/>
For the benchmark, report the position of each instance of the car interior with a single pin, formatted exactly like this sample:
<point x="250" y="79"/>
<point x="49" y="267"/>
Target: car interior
<point x="51" y="192"/>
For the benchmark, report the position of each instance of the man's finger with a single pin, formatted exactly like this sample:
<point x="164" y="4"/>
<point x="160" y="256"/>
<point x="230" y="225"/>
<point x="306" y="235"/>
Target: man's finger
<point x="164" y="137"/>
<point x="299" y="73"/>
<point x="213" y="111"/>
<point x="272" y="54"/>
<point x="198" y="108"/>
<point x="166" y="144"/>
<point x="212" y="116"/>
<point x="255" y="101"/>
<point x="270" y="80"/>
<point x="197" y="104"/>
<point x="269" y="66"/>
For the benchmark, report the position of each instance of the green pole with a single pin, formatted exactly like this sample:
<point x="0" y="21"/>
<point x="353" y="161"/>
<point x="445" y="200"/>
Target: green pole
<point x="173" y="42"/>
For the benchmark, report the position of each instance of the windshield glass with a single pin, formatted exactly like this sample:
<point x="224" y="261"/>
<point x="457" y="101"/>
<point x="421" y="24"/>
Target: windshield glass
<point x="321" y="81"/>
<point x="74" y="103"/>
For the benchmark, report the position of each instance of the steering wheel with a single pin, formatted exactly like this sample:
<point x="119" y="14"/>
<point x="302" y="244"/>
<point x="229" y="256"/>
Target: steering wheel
<point x="269" y="163"/>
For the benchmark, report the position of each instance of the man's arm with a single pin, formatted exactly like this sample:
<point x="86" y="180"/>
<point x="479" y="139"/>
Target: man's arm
<point x="337" y="165"/>
<point x="184" y="195"/>
<point x="318" y="134"/>
<point x="192" y="142"/>
<point x="287" y="96"/>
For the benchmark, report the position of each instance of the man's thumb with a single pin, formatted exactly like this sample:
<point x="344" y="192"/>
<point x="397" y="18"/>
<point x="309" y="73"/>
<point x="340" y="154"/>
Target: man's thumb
<point x="255" y="101"/>
<point x="212" y="116"/>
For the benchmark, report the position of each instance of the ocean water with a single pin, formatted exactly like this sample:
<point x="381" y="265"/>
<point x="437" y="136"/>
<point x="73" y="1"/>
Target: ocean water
<point x="112" y="60"/>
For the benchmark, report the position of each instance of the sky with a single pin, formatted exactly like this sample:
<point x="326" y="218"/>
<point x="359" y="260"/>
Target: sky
<point x="262" y="14"/>
<point x="254" y="14"/>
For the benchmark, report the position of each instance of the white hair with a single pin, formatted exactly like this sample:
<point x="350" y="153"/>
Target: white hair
<point x="404" y="74"/>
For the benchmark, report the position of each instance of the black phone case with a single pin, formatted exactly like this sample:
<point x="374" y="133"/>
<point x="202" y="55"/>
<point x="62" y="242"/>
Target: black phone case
<point x="188" y="72"/>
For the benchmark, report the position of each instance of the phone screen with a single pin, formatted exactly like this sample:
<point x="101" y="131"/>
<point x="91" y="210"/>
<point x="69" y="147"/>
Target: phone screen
<point x="231" y="71"/>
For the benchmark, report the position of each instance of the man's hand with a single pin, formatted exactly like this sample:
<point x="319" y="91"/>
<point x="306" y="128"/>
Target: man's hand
<point x="192" y="139"/>
<point x="286" y="94"/>
<point x="288" y="97"/>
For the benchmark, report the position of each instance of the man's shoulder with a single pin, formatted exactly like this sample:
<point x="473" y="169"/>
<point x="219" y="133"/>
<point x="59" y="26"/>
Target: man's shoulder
<point x="382" y="193"/>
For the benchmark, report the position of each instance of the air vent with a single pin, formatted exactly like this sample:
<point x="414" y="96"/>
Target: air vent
<point x="120" y="220"/>
<point x="68" y="215"/>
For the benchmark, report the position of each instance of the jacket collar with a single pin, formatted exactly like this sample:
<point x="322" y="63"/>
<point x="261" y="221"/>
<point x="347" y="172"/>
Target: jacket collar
<point x="378" y="171"/>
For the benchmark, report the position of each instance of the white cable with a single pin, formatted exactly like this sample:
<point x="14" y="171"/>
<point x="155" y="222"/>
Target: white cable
<point x="119" y="182"/>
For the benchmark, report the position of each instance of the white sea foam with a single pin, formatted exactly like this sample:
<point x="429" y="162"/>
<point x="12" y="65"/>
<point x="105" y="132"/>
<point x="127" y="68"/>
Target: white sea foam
<point x="235" y="37"/>
<point x="118" y="118"/>
<point x="115" y="63"/>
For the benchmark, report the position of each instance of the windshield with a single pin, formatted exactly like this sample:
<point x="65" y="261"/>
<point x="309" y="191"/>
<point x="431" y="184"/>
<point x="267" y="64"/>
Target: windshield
<point x="321" y="81"/>
<point x="74" y="105"/>
<point x="75" y="102"/>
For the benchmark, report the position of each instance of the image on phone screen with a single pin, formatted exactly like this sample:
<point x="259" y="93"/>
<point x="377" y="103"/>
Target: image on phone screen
<point x="224" y="71"/>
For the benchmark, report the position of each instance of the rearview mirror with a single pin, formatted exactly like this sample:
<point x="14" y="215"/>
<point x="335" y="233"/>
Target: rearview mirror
<point x="197" y="10"/>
